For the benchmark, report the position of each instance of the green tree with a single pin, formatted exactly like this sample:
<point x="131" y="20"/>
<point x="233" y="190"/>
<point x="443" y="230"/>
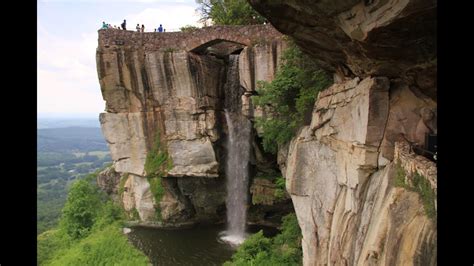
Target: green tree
<point x="283" y="249"/>
<point x="89" y="232"/>
<point x="81" y="208"/>
<point x="228" y="12"/>
<point x="289" y="97"/>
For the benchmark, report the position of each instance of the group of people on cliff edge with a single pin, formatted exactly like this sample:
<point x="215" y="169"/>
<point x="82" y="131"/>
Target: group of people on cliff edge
<point x="108" y="26"/>
<point x="142" y="29"/>
<point x="123" y="26"/>
<point x="160" y="29"/>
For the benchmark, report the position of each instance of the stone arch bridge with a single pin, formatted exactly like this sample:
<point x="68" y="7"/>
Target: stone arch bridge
<point x="196" y="40"/>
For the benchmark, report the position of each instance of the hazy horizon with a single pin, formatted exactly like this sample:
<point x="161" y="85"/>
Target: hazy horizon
<point x="67" y="116"/>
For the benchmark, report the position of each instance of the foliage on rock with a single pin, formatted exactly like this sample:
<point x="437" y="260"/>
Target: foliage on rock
<point x="188" y="28"/>
<point x="156" y="165"/>
<point x="289" y="98"/>
<point x="419" y="184"/>
<point x="280" y="190"/>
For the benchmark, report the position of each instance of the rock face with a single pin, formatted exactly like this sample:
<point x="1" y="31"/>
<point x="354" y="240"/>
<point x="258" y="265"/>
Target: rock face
<point x="108" y="180"/>
<point x="363" y="38"/>
<point x="347" y="207"/>
<point x="137" y="196"/>
<point x="170" y="87"/>
<point x="340" y="170"/>
<point x="268" y="203"/>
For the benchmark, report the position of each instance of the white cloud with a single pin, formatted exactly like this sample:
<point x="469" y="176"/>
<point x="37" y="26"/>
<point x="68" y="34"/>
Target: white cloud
<point x="67" y="76"/>
<point x="57" y="95"/>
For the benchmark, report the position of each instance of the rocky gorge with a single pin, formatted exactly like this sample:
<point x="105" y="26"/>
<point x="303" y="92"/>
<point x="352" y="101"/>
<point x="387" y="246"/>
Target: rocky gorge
<point x="171" y="89"/>
<point x="355" y="183"/>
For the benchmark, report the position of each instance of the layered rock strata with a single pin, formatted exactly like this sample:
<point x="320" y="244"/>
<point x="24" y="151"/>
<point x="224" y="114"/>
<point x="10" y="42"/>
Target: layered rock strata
<point x="348" y="209"/>
<point x="340" y="170"/>
<point x="169" y="87"/>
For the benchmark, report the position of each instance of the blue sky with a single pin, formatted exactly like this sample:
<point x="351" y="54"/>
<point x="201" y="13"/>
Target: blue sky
<point x="67" y="41"/>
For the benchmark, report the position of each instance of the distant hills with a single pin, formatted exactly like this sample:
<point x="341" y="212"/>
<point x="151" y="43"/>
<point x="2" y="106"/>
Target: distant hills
<point x="68" y="139"/>
<point x="67" y="122"/>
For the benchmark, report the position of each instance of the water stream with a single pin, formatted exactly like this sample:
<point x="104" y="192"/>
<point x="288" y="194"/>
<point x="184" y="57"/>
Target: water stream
<point x="238" y="148"/>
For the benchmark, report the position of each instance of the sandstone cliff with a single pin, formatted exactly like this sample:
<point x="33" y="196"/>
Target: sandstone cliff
<point x="353" y="180"/>
<point x="346" y="172"/>
<point x="170" y="88"/>
<point x="343" y="188"/>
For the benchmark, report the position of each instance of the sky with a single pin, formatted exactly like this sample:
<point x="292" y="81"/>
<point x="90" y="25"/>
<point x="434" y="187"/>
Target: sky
<point x="68" y="85"/>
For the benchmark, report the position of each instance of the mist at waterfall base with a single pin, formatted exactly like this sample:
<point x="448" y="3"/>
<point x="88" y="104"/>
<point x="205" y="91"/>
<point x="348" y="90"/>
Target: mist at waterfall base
<point x="238" y="156"/>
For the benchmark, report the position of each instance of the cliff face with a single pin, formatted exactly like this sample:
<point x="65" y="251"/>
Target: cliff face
<point x="343" y="188"/>
<point x="343" y="171"/>
<point x="170" y="87"/>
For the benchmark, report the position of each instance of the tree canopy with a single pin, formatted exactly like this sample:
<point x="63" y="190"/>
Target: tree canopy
<point x="81" y="208"/>
<point x="228" y="12"/>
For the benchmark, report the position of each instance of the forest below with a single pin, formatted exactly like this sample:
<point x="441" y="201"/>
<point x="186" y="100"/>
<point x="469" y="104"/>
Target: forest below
<point x="64" y="155"/>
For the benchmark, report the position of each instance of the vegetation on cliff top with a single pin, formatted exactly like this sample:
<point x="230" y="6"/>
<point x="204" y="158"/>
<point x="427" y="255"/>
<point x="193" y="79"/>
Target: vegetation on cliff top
<point x="89" y="232"/>
<point x="188" y="28"/>
<point x="289" y="98"/>
<point x="228" y="12"/>
<point x="283" y="249"/>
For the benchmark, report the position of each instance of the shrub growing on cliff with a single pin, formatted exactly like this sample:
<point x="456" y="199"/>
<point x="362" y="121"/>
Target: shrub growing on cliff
<point x="420" y="185"/>
<point x="188" y="28"/>
<point x="157" y="161"/>
<point x="283" y="249"/>
<point x="289" y="98"/>
<point x="280" y="189"/>
<point x="156" y="164"/>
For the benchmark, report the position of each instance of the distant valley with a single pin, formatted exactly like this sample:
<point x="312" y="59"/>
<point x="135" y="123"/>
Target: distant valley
<point x="64" y="155"/>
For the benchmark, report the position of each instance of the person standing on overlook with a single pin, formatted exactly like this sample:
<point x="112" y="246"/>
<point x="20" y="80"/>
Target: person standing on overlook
<point x="104" y="26"/>
<point x="143" y="28"/>
<point x="138" y="27"/>
<point x="124" y="25"/>
<point x="160" y="28"/>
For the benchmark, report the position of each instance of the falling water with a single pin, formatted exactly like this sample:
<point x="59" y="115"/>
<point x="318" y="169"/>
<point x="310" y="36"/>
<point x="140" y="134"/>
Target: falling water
<point x="238" y="147"/>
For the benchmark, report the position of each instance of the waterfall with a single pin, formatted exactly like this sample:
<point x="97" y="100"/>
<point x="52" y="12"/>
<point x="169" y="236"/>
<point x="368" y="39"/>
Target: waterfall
<point x="238" y="156"/>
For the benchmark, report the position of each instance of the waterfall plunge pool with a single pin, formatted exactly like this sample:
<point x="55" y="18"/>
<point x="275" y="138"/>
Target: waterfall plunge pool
<point x="200" y="245"/>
